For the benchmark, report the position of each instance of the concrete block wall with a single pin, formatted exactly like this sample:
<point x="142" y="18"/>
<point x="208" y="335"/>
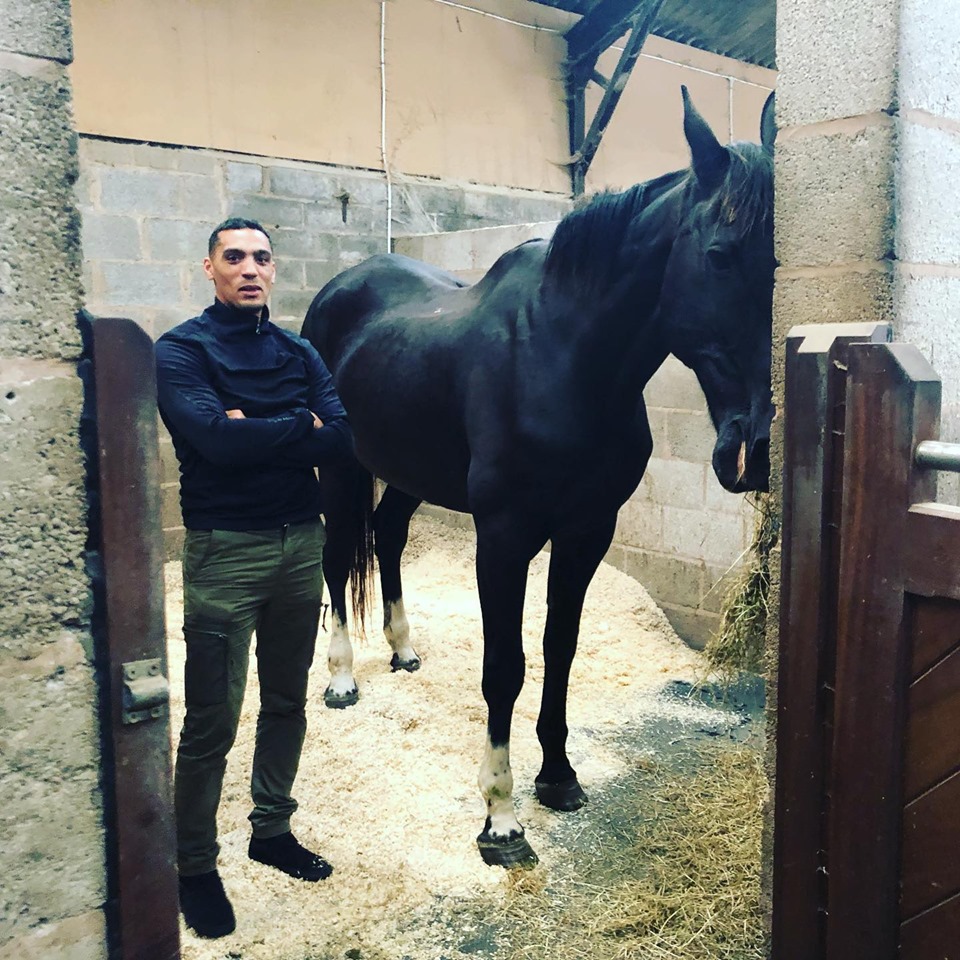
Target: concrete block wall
<point x="868" y="155"/>
<point x="52" y="860"/>
<point x="681" y="534"/>
<point x="927" y="209"/>
<point x="148" y="210"/>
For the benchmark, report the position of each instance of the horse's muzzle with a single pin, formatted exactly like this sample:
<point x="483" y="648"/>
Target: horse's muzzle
<point x="741" y="464"/>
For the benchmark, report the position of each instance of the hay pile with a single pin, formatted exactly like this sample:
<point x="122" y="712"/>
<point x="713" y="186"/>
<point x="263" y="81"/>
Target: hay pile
<point x="740" y="640"/>
<point x="697" y="896"/>
<point x="387" y="788"/>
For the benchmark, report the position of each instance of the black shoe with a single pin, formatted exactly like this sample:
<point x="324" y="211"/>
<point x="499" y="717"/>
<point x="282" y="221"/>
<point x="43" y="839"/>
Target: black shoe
<point x="286" y="854"/>
<point x="205" y="907"/>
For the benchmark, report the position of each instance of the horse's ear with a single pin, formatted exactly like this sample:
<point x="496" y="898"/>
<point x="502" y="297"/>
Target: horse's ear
<point x="708" y="158"/>
<point x="768" y="123"/>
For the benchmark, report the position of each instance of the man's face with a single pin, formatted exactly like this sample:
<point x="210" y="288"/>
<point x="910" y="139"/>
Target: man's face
<point x="241" y="268"/>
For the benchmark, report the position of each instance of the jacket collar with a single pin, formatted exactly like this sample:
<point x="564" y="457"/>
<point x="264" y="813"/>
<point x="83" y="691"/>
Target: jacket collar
<point x="239" y="321"/>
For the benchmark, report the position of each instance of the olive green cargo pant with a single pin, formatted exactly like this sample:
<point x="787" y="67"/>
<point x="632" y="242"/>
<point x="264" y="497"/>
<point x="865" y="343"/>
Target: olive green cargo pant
<point x="234" y="584"/>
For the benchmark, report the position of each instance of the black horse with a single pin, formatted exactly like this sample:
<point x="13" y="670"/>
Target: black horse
<point x="520" y="401"/>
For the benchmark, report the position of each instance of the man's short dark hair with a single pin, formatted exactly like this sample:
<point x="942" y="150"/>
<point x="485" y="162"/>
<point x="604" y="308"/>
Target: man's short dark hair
<point x="234" y="223"/>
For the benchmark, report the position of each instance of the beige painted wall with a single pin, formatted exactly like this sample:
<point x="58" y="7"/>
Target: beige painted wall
<point x="281" y="79"/>
<point x="469" y="96"/>
<point x="474" y="92"/>
<point x="645" y="137"/>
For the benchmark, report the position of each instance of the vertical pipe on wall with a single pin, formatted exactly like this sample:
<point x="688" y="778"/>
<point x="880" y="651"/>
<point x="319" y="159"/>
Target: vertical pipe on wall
<point x="383" y="121"/>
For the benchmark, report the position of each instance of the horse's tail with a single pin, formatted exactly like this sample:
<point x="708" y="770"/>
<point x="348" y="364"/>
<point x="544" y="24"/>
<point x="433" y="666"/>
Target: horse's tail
<point x="361" y="562"/>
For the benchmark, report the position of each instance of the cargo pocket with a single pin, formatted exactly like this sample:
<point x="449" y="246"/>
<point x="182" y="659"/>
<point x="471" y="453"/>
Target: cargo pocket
<point x="205" y="673"/>
<point x="196" y="550"/>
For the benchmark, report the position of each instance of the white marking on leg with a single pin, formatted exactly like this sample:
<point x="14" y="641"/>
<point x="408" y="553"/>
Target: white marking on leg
<point x="340" y="660"/>
<point x="496" y="787"/>
<point x="397" y="631"/>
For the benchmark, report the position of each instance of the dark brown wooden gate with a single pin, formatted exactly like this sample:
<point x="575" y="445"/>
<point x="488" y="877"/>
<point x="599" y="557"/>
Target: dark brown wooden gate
<point x="867" y="806"/>
<point x="142" y="906"/>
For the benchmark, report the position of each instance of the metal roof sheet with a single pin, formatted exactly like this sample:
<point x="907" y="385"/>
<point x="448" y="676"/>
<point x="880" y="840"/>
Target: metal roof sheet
<point x="742" y="29"/>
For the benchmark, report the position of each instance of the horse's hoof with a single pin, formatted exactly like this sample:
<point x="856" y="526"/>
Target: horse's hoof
<point x="515" y="853"/>
<point x="567" y="795"/>
<point x="409" y="665"/>
<point x="338" y="701"/>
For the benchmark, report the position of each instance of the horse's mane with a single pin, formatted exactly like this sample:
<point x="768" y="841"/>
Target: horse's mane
<point x="745" y="198"/>
<point x="586" y="244"/>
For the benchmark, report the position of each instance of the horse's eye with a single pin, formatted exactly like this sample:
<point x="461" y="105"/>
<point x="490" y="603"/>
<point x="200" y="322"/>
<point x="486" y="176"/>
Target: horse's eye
<point x="719" y="258"/>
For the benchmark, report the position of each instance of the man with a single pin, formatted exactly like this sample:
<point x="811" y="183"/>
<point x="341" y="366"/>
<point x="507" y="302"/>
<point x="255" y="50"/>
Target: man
<point x="252" y="411"/>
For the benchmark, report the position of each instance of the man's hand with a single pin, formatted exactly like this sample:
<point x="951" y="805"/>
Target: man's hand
<point x="238" y="415"/>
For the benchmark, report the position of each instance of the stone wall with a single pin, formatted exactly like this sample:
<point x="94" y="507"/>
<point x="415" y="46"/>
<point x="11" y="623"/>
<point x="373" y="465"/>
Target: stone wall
<point x="927" y="207"/>
<point x="868" y="157"/>
<point x="148" y="211"/>
<point x="52" y="874"/>
<point x="681" y="534"/>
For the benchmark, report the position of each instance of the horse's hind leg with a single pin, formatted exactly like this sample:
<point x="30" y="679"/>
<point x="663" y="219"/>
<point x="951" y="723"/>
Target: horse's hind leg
<point x="342" y="688"/>
<point x="391" y="523"/>
<point x="573" y="562"/>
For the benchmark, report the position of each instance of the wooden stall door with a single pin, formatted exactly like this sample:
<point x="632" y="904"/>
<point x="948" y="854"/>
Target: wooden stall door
<point x="892" y="403"/>
<point x="867" y="820"/>
<point x="930" y="843"/>
<point x="814" y="427"/>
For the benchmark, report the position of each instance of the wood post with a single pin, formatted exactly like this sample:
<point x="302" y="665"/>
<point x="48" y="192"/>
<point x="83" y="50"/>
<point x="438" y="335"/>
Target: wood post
<point x="812" y="495"/>
<point x="144" y="910"/>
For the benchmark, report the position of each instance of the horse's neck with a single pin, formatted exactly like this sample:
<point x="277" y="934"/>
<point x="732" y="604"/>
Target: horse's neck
<point x="611" y="336"/>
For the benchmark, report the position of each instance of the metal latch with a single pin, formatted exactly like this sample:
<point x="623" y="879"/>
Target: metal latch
<point x="146" y="691"/>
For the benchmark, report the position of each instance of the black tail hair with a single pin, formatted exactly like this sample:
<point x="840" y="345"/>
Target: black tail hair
<point x="361" y="563"/>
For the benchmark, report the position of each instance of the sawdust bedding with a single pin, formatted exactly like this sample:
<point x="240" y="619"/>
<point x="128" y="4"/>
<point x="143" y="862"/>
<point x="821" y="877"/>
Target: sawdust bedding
<point x="387" y="788"/>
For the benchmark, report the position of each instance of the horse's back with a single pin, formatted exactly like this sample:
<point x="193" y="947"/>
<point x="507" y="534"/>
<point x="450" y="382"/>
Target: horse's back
<point x="409" y="346"/>
<point x="365" y="292"/>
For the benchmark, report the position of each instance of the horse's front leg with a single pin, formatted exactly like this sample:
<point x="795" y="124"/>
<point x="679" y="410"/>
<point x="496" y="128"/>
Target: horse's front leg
<point x="344" y="518"/>
<point x="502" y="562"/>
<point x="573" y="562"/>
<point x="391" y="524"/>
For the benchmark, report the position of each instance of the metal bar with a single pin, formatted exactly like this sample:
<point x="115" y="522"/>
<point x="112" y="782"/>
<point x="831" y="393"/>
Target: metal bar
<point x="614" y="90"/>
<point x="576" y="114"/>
<point x="606" y="22"/>
<point x="935" y="455"/>
<point x="599" y="79"/>
<point x="569" y="6"/>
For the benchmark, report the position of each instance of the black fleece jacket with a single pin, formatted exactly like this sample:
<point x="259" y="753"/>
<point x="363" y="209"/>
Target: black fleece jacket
<point x="255" y="473"/>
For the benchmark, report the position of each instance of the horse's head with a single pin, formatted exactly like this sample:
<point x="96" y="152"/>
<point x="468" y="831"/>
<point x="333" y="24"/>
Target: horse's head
<point x="716" y="302"/>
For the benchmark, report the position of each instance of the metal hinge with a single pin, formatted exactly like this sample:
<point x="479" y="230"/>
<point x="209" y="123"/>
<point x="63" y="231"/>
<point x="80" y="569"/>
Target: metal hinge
<point x="146" y="691"/>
